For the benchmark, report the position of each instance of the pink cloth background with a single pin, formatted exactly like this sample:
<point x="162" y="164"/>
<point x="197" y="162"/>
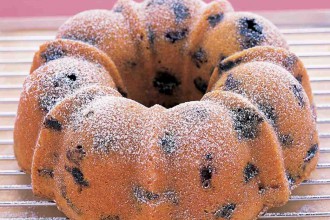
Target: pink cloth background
<point x="32" y="8"/>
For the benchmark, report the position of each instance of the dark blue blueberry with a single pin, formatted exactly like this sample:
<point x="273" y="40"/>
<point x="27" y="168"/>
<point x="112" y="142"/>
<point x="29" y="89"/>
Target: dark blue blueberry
<point x="52" y="53"/>
<point x="151" y="34"/>
<point x="52" y="123"/>
<point x="292" y="180"/>
<point x="78" y="176"/>
<point x="168" y="143"/>
<point x="299" y="78"/>
<point x="228" y="65"/>
<point x="311" y="153"/>
<point x="47" y="173"/>
<point x="201" y="84"/>
<point x="92" y="40"/>
<point x="286" y="139"/>
<point x="209" y="156"/>
<point x="72" y="77"/>
<point x="232" y="84"/>
<point x="290" y="61"/>
<point x="246" y="122"/>
<point x="174" y="36"/>
<point x="206" y="176"/>
<point x="165" y="82"/>
<point x="226" y="211"/>
<point x="171" y="196"/>
<point x="250" y="171"/>
<point x="222" y="58"/>
<point x="299" y="94"/>
<point x="144" y="196"/>
<point x="118" y="9"/>
<point x="155" y="2"/>
<point x="215" y="19"/>
<point x="181" y="11"/>
<point x="269" y="112"/>
<point x="199" y="57"/>
<point x="76" y="155"/>
<point x="251" y="32"/>
<point x="110" y="217"/>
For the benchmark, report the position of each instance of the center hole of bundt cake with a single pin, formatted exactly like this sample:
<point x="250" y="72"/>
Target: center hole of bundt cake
<point x="168" y="89"/>
<point x="165" y="83"/>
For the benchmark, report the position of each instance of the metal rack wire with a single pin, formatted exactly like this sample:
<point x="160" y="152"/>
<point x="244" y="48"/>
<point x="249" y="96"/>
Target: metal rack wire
<point x="311" y="200"/>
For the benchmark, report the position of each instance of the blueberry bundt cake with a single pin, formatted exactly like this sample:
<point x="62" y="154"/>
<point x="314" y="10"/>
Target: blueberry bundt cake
<point x="166" y="109"/>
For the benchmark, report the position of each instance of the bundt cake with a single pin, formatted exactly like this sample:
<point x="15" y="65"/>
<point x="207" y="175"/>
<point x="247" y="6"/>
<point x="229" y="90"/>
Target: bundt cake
<point x="166" y="109"/>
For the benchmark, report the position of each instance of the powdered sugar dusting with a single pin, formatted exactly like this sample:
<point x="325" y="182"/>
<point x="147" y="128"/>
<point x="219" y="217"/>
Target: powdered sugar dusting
<point x="52" y="82"/>
<point x="198" y="158"/>
<point x="281" y="98"/>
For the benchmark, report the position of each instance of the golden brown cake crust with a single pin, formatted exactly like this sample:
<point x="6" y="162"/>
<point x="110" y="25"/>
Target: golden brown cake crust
<point x="166" y="50"/>
<point x="166" y="109"/>
<point x="66" y="71"/>
<point x="283" y="101"/>
<point x="177" y="152"/>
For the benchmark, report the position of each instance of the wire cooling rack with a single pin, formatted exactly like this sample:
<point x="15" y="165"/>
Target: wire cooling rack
<point x="311" y="200"/>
